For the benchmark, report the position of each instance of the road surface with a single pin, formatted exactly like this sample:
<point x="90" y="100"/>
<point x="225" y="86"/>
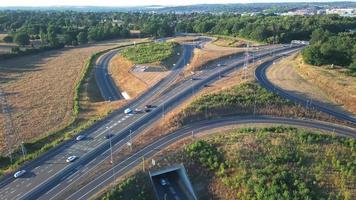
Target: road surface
<point x="50" y="170"/>
<point x="262" y="78"/>
<point x="134" y="160"/>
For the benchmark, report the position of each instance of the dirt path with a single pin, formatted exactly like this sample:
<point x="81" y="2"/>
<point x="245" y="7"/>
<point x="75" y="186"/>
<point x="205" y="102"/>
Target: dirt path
<point x="284" y="75"/>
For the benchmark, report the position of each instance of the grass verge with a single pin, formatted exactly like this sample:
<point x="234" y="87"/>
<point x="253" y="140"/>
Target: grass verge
<point x="245" y="99"/>
<point x="263" y="163"/>
<point x="228" y="41"/>
<point x="150" y="53"/>
<point x="333" y="81"/>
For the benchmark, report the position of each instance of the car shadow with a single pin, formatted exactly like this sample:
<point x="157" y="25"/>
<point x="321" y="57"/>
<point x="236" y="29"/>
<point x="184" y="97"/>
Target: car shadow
<point x="29" y="174"/>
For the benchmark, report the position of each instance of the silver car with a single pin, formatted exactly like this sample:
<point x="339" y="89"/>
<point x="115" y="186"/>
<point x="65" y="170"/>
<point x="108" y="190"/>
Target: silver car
<point x="19" y="173"/>
<point x="71" y="159"/>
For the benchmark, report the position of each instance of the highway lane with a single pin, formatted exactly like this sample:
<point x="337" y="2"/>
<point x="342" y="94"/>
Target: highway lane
<point x="46" y="166"/>
<point x="134" y="160"/>
<point x="103" y="78"/>
<point x="165" y="102"/>
<point x="173" y="98"/>
<point x="42" y="178"/>
<point x="261" y="76"/>
<point x="173" y="189"/>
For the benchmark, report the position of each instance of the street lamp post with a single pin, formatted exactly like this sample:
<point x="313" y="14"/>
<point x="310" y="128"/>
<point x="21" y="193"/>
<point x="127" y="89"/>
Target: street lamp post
<point x="111" y="157"/>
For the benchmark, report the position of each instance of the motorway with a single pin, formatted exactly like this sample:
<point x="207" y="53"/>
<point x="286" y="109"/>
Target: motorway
<point x="262" y="78"/>
<point x="48" y="165"/>
<point x="121" y="168"/>
<point x="164" y="103"/>
<point x="50" y="170"/>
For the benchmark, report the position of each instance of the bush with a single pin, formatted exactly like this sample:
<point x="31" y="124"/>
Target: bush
<point x="149" y="53"/>
<point x="207" y="154"/>
<point x="136" y="187"/>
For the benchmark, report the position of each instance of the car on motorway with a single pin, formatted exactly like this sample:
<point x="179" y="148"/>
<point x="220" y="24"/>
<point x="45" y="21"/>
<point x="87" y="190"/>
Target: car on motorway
<point x="164" y="182"/>
<point x="147" y="110"/>
<point x="19" y="173"/>
<point x="108" y="136"/>
<point x="148" y="106"/>
<point x="127" y="111"/>
<point x="71" y="159"/>
<point x="79" y="137"/>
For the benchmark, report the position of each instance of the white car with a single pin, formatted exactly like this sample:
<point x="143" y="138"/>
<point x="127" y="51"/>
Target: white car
<point x="79" y="137"/>
<point x="19" y="173"/>
<point x="127" y="111"/>
<point x="71" y="159"/>
<point x="164" y="182"/>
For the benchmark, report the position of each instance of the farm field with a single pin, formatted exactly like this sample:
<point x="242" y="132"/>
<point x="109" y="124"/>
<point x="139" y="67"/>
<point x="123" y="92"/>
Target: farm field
<point x="40" y="88"/>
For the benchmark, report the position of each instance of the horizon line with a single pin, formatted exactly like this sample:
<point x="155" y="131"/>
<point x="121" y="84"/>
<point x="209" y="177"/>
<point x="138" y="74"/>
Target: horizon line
<point x="174" y="5"/>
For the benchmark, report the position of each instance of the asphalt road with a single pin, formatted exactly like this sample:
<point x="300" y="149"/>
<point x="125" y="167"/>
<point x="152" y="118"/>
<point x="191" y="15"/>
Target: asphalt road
<point x="261" y="76"/>
<point x="50" y="170"/>
<point x="56" y="188"/>
<point x="172" y="190"/>
<point x="43" y="168"/>
<point x="103" y="79"/>
<point x="134" y="160"/>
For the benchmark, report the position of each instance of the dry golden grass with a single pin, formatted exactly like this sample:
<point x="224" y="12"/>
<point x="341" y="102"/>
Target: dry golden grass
<point x="151" y="78"/>
<point x="135" y="83"/>
<point x="334" y="82"/>
<point x="328" y="86"/>
<point x="184" y="39"/>
<point x="227" y="41"/>
<point x="210" y="52"/>
<point x="120" y="71"/>
<point x="40" y="88"/>
<point x="91" y="102"/>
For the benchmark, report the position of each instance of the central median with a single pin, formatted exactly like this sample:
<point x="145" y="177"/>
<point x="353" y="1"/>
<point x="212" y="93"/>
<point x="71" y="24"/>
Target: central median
<point x="171" y="102"/>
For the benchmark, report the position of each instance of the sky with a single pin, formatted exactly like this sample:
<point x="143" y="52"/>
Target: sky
<point x="131" y="2"/>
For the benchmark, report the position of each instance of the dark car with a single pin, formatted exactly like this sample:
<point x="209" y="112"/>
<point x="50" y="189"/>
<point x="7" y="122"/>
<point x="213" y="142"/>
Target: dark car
<point x="147" y="110"/>
<point x="108" y="136"/>
<point x="148" y="106"/>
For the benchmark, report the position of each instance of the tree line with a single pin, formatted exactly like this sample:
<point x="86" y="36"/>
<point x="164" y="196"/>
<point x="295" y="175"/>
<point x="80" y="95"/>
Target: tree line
<point x="56" y="28"/>
<point x="331" y="48"/>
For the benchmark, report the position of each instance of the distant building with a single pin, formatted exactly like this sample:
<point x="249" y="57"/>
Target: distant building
<point x="346" y="12"/>
<point x="301" y="12"/>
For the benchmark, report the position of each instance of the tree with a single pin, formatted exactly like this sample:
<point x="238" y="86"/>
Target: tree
<point x="319" y="35"/>
<point x="8" y="39"/>
<point x="22" y="38"/>
<point x="82" y="37"/>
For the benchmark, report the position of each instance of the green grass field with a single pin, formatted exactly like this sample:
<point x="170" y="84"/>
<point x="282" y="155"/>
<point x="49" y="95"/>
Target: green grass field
<point x="262" y="163"/>
<point x="149" y="53"/>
